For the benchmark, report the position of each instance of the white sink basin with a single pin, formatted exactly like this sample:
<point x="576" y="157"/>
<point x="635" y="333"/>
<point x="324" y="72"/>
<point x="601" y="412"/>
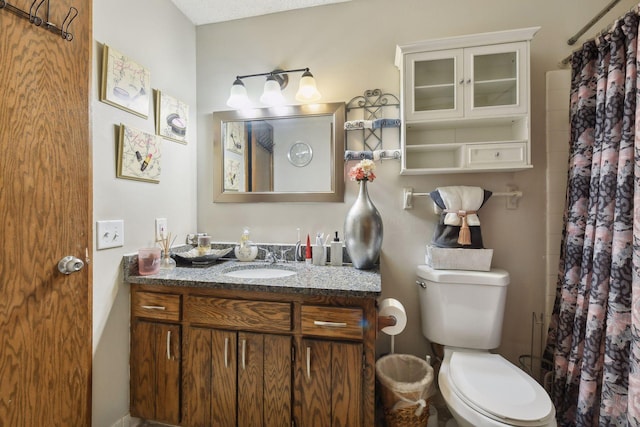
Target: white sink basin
<point x="260" y="273"/>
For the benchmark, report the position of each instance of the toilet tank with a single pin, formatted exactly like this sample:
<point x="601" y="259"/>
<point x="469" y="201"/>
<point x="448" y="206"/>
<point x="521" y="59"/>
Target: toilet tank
<point x="462" y="308"/>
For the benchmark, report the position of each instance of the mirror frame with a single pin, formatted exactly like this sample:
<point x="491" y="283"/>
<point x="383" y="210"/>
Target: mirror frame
<point x="336" y="194"/>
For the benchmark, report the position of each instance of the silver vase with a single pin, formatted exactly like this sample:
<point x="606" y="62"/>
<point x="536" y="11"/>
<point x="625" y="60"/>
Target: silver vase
<point x="363" y="231"/>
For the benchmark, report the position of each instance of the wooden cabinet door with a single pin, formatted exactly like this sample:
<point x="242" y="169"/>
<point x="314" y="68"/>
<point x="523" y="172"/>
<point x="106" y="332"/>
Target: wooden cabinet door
<point x="264" y="380"/>
<point x="331" y="390"/>
<point x="209" y="378"/>
<point x="155" y="371"/>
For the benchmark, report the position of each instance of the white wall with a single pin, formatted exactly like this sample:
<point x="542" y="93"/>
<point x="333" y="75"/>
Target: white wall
<point x="155" y="34"/>
<point x="349" y="48"/>
<point x="558" y="134"/>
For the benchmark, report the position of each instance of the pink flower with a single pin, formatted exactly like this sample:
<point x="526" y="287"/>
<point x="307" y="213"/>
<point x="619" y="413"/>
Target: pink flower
<point x="363" y="171"/>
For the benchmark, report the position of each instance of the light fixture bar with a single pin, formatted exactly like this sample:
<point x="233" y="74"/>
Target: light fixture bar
<point x="274" y="72"/>
<point x="277" y="80"/>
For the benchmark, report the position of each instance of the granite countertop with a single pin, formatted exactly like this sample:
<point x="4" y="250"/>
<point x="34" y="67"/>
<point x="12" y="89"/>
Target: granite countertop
<point x="309" y="280"/>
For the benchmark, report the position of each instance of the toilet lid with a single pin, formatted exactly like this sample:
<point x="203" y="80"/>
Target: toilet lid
<point x="496" y="387"/>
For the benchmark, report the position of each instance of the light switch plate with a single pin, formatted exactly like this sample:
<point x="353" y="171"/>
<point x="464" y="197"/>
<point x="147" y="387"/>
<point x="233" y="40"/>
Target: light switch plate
<point x="109" y="234"/>
<point x="161" y="228"/>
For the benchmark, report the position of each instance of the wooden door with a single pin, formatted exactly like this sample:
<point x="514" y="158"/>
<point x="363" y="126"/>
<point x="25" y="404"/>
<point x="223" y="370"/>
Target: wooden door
<point x="331" y="384"/>
<point x="155" y="371"/>
<point x="209" y="378"/>
<point x="264" y="380"/>
<point x="45" y="215"/>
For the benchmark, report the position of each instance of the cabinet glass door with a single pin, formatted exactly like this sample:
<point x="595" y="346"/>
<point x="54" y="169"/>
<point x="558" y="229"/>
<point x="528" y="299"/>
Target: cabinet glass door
<point x="495" y="79"/>
<point x="433" y="84"/>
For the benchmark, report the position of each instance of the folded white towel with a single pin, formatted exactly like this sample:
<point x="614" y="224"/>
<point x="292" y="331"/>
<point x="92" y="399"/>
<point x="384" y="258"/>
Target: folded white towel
<point x="461" y="198"/>
<point x="358" y="124"/>
<point x="358" y="155"/>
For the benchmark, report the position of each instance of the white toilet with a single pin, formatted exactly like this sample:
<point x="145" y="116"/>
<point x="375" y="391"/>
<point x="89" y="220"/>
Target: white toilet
<point x="463" y="311"/>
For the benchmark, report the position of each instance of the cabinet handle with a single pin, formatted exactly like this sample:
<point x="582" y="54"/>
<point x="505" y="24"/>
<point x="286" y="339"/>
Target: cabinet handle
<point x="153" y="307"/>
<point x="330" y="324"/>
<point x="309" y="362"/>
<point x="168" y="345"/>
<point x="226" y="352"/>
<point x="469" y="81"/>
<point x="497" y="154"/>
<point x="244" y="350"/>
<point x="461" y="81"/>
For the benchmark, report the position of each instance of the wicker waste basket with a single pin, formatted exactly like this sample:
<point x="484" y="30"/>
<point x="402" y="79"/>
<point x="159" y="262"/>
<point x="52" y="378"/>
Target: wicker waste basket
<point x="405" y="387"/>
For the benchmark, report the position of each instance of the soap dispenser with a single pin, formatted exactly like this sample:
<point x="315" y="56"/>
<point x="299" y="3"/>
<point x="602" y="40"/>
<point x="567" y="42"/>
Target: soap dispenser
<point x="336" y="252"/>
<point x="246" y="250"/>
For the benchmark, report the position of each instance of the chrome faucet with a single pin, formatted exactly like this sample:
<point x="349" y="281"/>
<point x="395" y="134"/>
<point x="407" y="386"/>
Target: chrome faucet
<point x="270" y="257"/>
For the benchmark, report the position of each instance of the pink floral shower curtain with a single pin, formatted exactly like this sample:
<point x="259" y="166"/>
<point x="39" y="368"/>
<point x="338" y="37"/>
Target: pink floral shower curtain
<point x="594" y="337"/>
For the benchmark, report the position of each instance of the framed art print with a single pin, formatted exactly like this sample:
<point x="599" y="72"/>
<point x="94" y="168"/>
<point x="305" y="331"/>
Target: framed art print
<point x="172" y="116"/>
<point x="231" y="175"/>
<point x="125" y="84"/>
<point x="235" y="137"/>
<point x="139" y="155"/>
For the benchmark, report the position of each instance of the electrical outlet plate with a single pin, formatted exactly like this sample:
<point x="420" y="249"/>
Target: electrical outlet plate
<point x="161" y="228"/>
<point x="109" y="234"/>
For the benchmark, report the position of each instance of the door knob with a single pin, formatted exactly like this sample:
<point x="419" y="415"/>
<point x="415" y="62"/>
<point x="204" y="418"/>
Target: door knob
<point x="70" y="264"/>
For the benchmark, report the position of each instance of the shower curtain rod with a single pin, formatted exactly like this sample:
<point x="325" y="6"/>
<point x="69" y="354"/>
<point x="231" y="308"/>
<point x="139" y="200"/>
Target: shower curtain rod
<point x="588" y="25"/>
<point x="591" y="23"/>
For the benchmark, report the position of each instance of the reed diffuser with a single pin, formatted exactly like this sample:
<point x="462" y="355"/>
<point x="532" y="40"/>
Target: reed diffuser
<point x="167" y="263"/>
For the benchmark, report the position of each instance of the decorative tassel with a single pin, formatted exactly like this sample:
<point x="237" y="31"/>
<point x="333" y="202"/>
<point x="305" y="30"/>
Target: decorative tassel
<point x="464" y="236"/>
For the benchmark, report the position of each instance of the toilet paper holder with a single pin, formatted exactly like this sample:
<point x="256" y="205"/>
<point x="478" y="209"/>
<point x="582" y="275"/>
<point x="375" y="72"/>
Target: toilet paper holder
<point x="384" y="321"/>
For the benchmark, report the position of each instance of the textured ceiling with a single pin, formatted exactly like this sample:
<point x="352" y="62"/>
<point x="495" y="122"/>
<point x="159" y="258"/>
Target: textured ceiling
<point x="209" y="11"/>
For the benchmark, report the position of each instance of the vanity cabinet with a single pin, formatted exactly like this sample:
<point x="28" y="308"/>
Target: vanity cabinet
<point x="255" y="358"/>
<point x="465" y="103"/>
<point x="155" y="357"/>
<point x="234" y="378"/>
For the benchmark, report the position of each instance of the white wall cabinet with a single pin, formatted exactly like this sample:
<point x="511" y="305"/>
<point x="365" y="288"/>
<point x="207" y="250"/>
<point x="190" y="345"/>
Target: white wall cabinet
<point x="465" y="103"/>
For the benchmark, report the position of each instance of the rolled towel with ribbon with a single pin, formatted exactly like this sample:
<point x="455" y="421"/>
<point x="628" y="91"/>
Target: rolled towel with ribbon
<point x="459" y="225"/>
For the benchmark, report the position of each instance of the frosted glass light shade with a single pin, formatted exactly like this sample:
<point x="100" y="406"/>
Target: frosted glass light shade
<point x="307" y="91"/>
<point x="272" y="94"/>
<point x="238" y="96"/>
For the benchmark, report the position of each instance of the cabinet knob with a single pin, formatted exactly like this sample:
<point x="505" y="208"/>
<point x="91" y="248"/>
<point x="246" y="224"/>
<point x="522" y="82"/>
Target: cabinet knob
<point x="461" y="81"/>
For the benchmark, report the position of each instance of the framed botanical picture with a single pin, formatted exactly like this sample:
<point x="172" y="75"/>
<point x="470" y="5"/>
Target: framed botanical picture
<point x="139" y="155"/>
<point x="125" y="84"/>
<point x="235" y="137"/>
<point x="231" y="175"/>
<point x="172" y="116"/>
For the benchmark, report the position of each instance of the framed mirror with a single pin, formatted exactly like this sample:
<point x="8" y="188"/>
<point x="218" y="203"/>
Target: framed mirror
<point x="279" y="154"/>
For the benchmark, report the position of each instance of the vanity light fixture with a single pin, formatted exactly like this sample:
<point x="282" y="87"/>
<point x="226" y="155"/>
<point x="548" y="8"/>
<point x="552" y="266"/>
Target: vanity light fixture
<point x="272" y="94"/>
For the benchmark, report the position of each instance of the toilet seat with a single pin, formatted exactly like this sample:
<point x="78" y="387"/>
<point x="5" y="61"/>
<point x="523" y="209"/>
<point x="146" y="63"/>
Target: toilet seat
<point x="499" y="390"/>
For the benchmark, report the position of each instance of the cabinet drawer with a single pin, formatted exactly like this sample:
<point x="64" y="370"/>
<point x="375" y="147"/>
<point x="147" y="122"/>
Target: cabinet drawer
<point x="153" y="305"/>
<point x="251" y="315"/>
<point x="332" y="322"/>
<point x="489" y="155"/>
